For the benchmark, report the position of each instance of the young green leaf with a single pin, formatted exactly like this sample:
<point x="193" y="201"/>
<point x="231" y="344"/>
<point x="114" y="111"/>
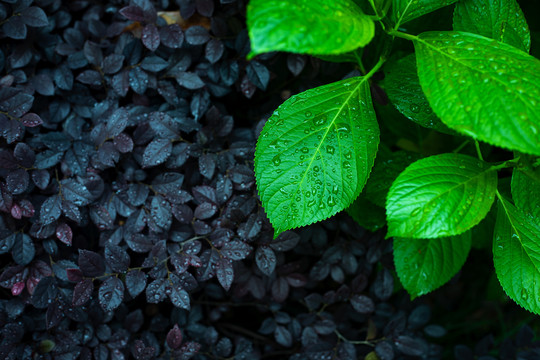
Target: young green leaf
<point x="368" y="215"/>
<point x="315" y="153"/>
<point x="501" y="20"/>
<point x="526" y="190"/>
<point x="316" y="27"/>
<point x="404" y="91"/>
<point x="423" y="265"/>
<point x="406" y="10"/>
<point x="439" y="196"/>
<point x="482" y="88"/>
<point x="516" y="255"/>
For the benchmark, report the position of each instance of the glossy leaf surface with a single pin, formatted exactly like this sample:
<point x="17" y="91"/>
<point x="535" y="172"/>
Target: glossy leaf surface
<point x="516" y="255"/>
<point x="406" y="10"/>
<point x="501" y="20"/>
<point x="440" y="196"/>
<point x="469" y="78"/>
<point x="315" y="153"/>
<point x="526" y="190"/>
<point x="307" y="26"/>
<point x="423" y="265"/>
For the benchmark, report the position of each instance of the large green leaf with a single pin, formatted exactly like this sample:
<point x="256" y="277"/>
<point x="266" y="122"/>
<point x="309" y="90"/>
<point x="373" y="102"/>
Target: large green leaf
<point x="315" y="153"/>
<point x="526" y="190"/>
<point x="501" y="20"/>
<point x="316" y="27"/>
<point x="439" y="196"/>
<point x="406" y="10"/>
<point x="423" y="265"/>
<point x="516" y="255"/>
<point x="482" y="88"/>
<point x="404" y="91"/>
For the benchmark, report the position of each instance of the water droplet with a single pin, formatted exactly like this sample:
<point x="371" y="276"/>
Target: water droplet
<point x="524" y="294"/>
<point x="330" y="149"/>
<point x="305" y="150"/>
<point x="308" y="114"/>
<point x="276" y="160"/>
<point x="414" y="108"/>
<point x="416" y="211"/>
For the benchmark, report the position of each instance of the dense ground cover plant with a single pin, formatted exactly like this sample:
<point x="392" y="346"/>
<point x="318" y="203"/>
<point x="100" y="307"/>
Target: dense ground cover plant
<point x="130" y="226"/>
<point x="475" y="88"/>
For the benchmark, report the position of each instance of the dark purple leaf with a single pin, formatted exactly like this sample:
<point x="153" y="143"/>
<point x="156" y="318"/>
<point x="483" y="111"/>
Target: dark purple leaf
<point x="47" y="159"/>
<point x="189" y="80"/>
<point x="156" y="152"/>
<point x="17" y="288"/>
<point x="91" y="263"/>
<point x="133" y="13"/>
<point x="154" y="64"/>
<point x="411" y="346"/>
<point x="247" y="87"/>
<point x="285" y="241"/>
<point x="16" y="212"/>
<point x="135" y="282"/>
<point x="197" y="35"/>
<point x="362" y="304"/>
<point x="419" y="317"/>
<point x="383" y="285"/>
<point x="384" y="350"/>
<point x="63" y="77"/>
<point x="64" y="233"/>
<point x="296" y="63"/>
<point x="324" y="327"/>
<point x="11" y="129"/>
<point x="111" y="293"/>
<point x="225" y="273"/>
<point x="24" y="155"/>
<point x="236" y="250"/>
<point x="41" y="178"/>
<point x="117" y="258"/>
<point x="15" y="102"/>
<point x="74" y="274"/>
<point x="207" y="165"/>
<point x="296" y="280"/>
<point x="283" y="336"/>
<point x="280" y="289"/>
<point x="156" y="291"/>
<point x="54" y="315"/>
<point x="112" y="63"/>
<point x="205" y="211"/>
<point x="82" y="292"/>
<point x="93" y="53"/>
<point x="123" y="143"/>
<point x="117" y="122"/>
<point x="160" y="213"/>
<point x="229" y="72"/>
<point x="435" y="331"/>
<point x="51" y="209"/>
<point x="76" y="192"/>
<point x="205" y="7"/>
<point x="23" y="249"/>
<point x="150" y="37"/>
<point x="101" y="217"/>
<point x="214" y="50"/>
<point x="34" y="16"/>
<point x="258" y="74"/>
<point x="204" y="193"/>
<point x="17" y="181"/>
<point x="43" y="84"/>
<point x="90" y="77"/>
<point x="171" y="36"/>
<point x="164" y="125"/>
<point x="174" y="337"/>
<point x="265" y="258"/>
<point x="120" y="82"/>
<point x="14" y="28"/>
<point x="182" y="213"/>
<point x="138" y="80"/>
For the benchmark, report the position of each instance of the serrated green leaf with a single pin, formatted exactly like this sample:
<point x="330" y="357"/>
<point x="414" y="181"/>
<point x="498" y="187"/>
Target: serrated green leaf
<point x="423" y="265"/>
<point x="440" y="196"/>
<point x="386" y="169"/>
<point x="526" y="190"/>
<point x="406" y="10"/>
<point x="501" y="20"/>
<point x="315" y="153"/>
<point x="367" y="214"/>
<point x="482" y="88"/>
<point x="516" y="255"/>
<point x="404" y="91"/>
<point x="316" y="27"/>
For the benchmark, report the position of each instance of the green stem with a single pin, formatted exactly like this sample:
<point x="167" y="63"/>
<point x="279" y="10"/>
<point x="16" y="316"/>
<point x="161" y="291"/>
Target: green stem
<point x="402" y="35"/>
<point x="478" y="151"/>
<point x="460" y="147"/>
<point x="376" y="68"/>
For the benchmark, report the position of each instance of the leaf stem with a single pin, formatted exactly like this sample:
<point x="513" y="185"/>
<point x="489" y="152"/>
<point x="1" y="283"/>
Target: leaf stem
<point x="376" y="68"/>
<point x="478" y="151"/>
<point x="402" y="35"/>
<point x="460" y="147"/>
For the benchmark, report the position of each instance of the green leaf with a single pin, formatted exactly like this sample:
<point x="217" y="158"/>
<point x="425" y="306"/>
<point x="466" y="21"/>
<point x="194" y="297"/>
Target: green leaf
<point x="367" y="214"/>
<point x="482" y="88"/>
<point x="404" y="91"/>
<point x="526" y="190"/>
<point x="516" y="255"/>
<point x="439" y="196"/>
<point x="423" y="265"/>
<point x="501" y="20"/>
<point x="386" y="169"/>
<point x="316" y="27"/>
<point x="315" y="153"/>
<point x="406" y="10"/>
